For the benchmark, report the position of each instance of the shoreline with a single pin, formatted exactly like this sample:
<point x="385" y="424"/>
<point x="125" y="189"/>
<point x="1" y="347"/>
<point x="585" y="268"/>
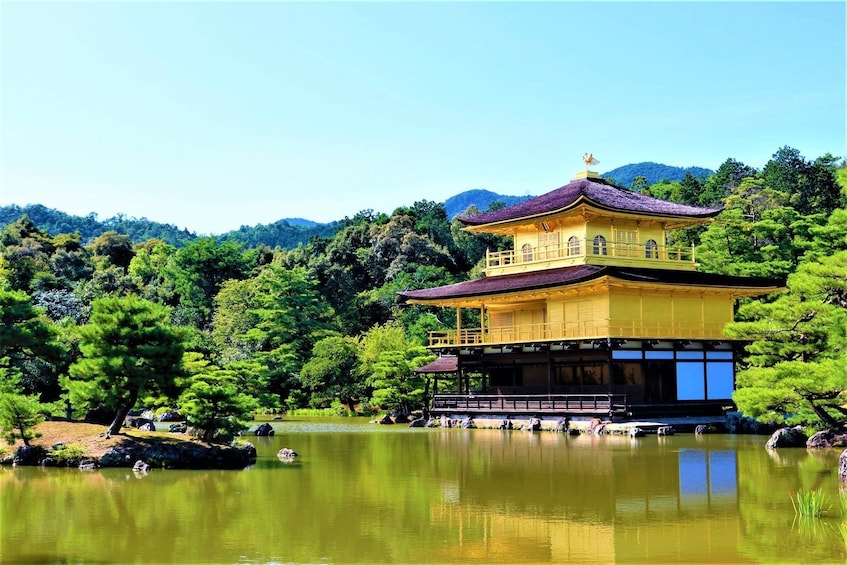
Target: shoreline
<point x="93" y="449"/>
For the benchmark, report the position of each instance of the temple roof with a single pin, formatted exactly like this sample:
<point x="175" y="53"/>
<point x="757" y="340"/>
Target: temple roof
<point x="444" y="364"/>
<point x="596" y="192"/>
<point x="566" y="276"/>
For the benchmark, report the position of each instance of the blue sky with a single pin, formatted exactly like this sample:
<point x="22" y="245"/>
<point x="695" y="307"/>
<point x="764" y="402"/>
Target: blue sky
<point x="213" y="115"/>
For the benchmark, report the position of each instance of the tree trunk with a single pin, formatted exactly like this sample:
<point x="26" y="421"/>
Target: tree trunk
<point x="123" y="410"/>
<point x="824" y="415"/>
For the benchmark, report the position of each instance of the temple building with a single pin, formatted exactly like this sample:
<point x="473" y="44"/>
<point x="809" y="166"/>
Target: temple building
<point x="593" y="311"/>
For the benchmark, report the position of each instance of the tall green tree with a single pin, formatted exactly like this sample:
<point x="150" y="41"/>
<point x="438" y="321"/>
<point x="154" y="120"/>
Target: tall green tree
<point x="214" y="402"/>
<point x="199" y="271"/>
<point x="268" y="325"/>
<point x="726" y="179"/>
<point x="796" y="369"/>
<point x="128" y="349"/>
<point x="26" y="252"/>
<point x="333" y="372"/>
<point x="27" y="337"/>
<point x="396" y="386"/>
<point x="19" y="414"/>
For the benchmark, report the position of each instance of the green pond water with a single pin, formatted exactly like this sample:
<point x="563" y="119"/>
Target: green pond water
<point x="363" y="493"/>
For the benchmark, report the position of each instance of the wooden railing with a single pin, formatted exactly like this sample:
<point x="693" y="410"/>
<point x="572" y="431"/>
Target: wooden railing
<point x="587" y="248"/>
<point x="552" y="331"/>
<point x="585" y="404"/>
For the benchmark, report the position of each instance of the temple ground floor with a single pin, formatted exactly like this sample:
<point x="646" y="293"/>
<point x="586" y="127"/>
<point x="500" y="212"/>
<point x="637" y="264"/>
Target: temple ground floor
<point x="613" y="378"/>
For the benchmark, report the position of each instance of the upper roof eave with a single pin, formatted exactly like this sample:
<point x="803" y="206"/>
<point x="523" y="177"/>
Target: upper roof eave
<point x="598" y="193"/>
<point x="570" y="276"/>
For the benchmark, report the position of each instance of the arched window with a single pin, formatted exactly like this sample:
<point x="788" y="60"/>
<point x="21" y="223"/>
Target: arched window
<point x="573" y="245"/>
<point x="526" y="250"/>
<point x="651" y="249"/>
<point x="599" y="245"/>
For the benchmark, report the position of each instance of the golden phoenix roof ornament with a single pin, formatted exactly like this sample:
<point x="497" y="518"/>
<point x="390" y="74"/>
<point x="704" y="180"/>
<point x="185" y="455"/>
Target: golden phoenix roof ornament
<point x="588" y="159"/>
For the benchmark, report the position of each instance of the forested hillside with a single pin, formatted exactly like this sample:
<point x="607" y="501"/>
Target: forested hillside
<point x="653" y="173"/>
<point x="286" y="234"/>
<point x="479" y="199"/>
<point x="320" y="324"/>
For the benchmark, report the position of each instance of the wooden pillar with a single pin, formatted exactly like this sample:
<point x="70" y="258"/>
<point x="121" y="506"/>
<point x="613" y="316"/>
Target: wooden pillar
<point x="549" y="371"/>
<point x="458" y="325"/>
<point x="482" y="324"/>
<point x="458" y="374"/>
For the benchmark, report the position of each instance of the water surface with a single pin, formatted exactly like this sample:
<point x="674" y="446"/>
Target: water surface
<point x="363" y="493"/>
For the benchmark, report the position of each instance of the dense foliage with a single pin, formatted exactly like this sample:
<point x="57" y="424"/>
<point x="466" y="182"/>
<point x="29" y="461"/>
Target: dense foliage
<point x="218" y="327"/>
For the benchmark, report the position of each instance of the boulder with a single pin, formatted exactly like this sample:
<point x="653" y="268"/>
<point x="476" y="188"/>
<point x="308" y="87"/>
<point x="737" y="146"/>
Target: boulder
<point x="265" y="430"/>
<point x="138" y="422"/>
<point x="417" y="423"/>
<point x="842" y="466"/>
<point x="287" y="454"/>
<point x="665" y="431"/>
<point x="385" y="420"/>
<point x="31" y="455"/>
<point x="178" y="428"/>
<point x="573" y="431"/>
<point x="636" y="432"/>
<point x="468" y="423"/>
<point x="88" y="465"/>
<point x="401" y="419"/>
<point x="432" y="423"/>
<point x="534" y="424"/>
<point x="736" y="423"/>
<point x="140" y="467"/>
<point x="506" y="425"/>
<point x="787" y="437"/>
<point x="148" y="427"/>
<point x="562" y="424"/>
<point x="170" y="416"/>
<point x="595" y="426"/>
<point x="827" y="438"/>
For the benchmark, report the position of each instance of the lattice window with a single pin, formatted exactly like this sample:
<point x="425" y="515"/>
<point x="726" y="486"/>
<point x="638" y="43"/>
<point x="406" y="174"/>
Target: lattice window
<point x="599" y="245"/>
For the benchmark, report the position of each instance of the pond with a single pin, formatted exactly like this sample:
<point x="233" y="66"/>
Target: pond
<point x="364" y="493"/>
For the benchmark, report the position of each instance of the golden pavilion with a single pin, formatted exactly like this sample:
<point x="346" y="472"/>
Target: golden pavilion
<point x="591" y="312"/>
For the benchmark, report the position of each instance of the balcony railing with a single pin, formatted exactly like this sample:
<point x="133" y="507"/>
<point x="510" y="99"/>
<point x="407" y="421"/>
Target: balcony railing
<point x="577" y="252"/>
<point x="530" y="404"/>
<point x="552" y="331"/>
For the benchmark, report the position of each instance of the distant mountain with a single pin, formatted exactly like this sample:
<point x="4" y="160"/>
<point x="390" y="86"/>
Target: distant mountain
<point x="89" y="227"/>
<point x="286" y="234"/>
<point x="300" y="222"/>
<point x="653" y="172"/>
<point x="482" y="199"/>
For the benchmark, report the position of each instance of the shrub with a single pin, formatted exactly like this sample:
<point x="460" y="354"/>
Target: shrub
<point x="69" y="454"/>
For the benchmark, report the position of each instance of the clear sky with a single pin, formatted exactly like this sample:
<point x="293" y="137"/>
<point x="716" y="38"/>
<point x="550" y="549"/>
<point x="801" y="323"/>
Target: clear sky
<point x="214" y="115"/>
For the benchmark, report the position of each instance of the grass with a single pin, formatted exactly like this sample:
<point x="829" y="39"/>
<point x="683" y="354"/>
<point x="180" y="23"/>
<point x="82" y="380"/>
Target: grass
<point x="811" y="503"/>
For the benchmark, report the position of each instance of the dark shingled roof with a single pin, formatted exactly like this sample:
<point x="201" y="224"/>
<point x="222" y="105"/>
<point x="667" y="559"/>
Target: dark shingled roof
<point x="596" y="192"/>
<point x="571" y="275"/>
<point x="444" y="364"/>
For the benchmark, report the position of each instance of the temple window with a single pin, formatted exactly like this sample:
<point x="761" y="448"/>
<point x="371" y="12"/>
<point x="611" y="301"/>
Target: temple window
<point x="599" y="245"/>
<point x="526" y="251"/>
<point x="651" y="249"/>
<point x="573" y="245"/>
<point x="548" y="244"/>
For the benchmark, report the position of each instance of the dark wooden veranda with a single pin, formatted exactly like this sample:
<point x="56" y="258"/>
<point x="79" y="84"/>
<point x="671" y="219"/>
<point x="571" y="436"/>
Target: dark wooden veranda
<point x="599" y="405"/>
